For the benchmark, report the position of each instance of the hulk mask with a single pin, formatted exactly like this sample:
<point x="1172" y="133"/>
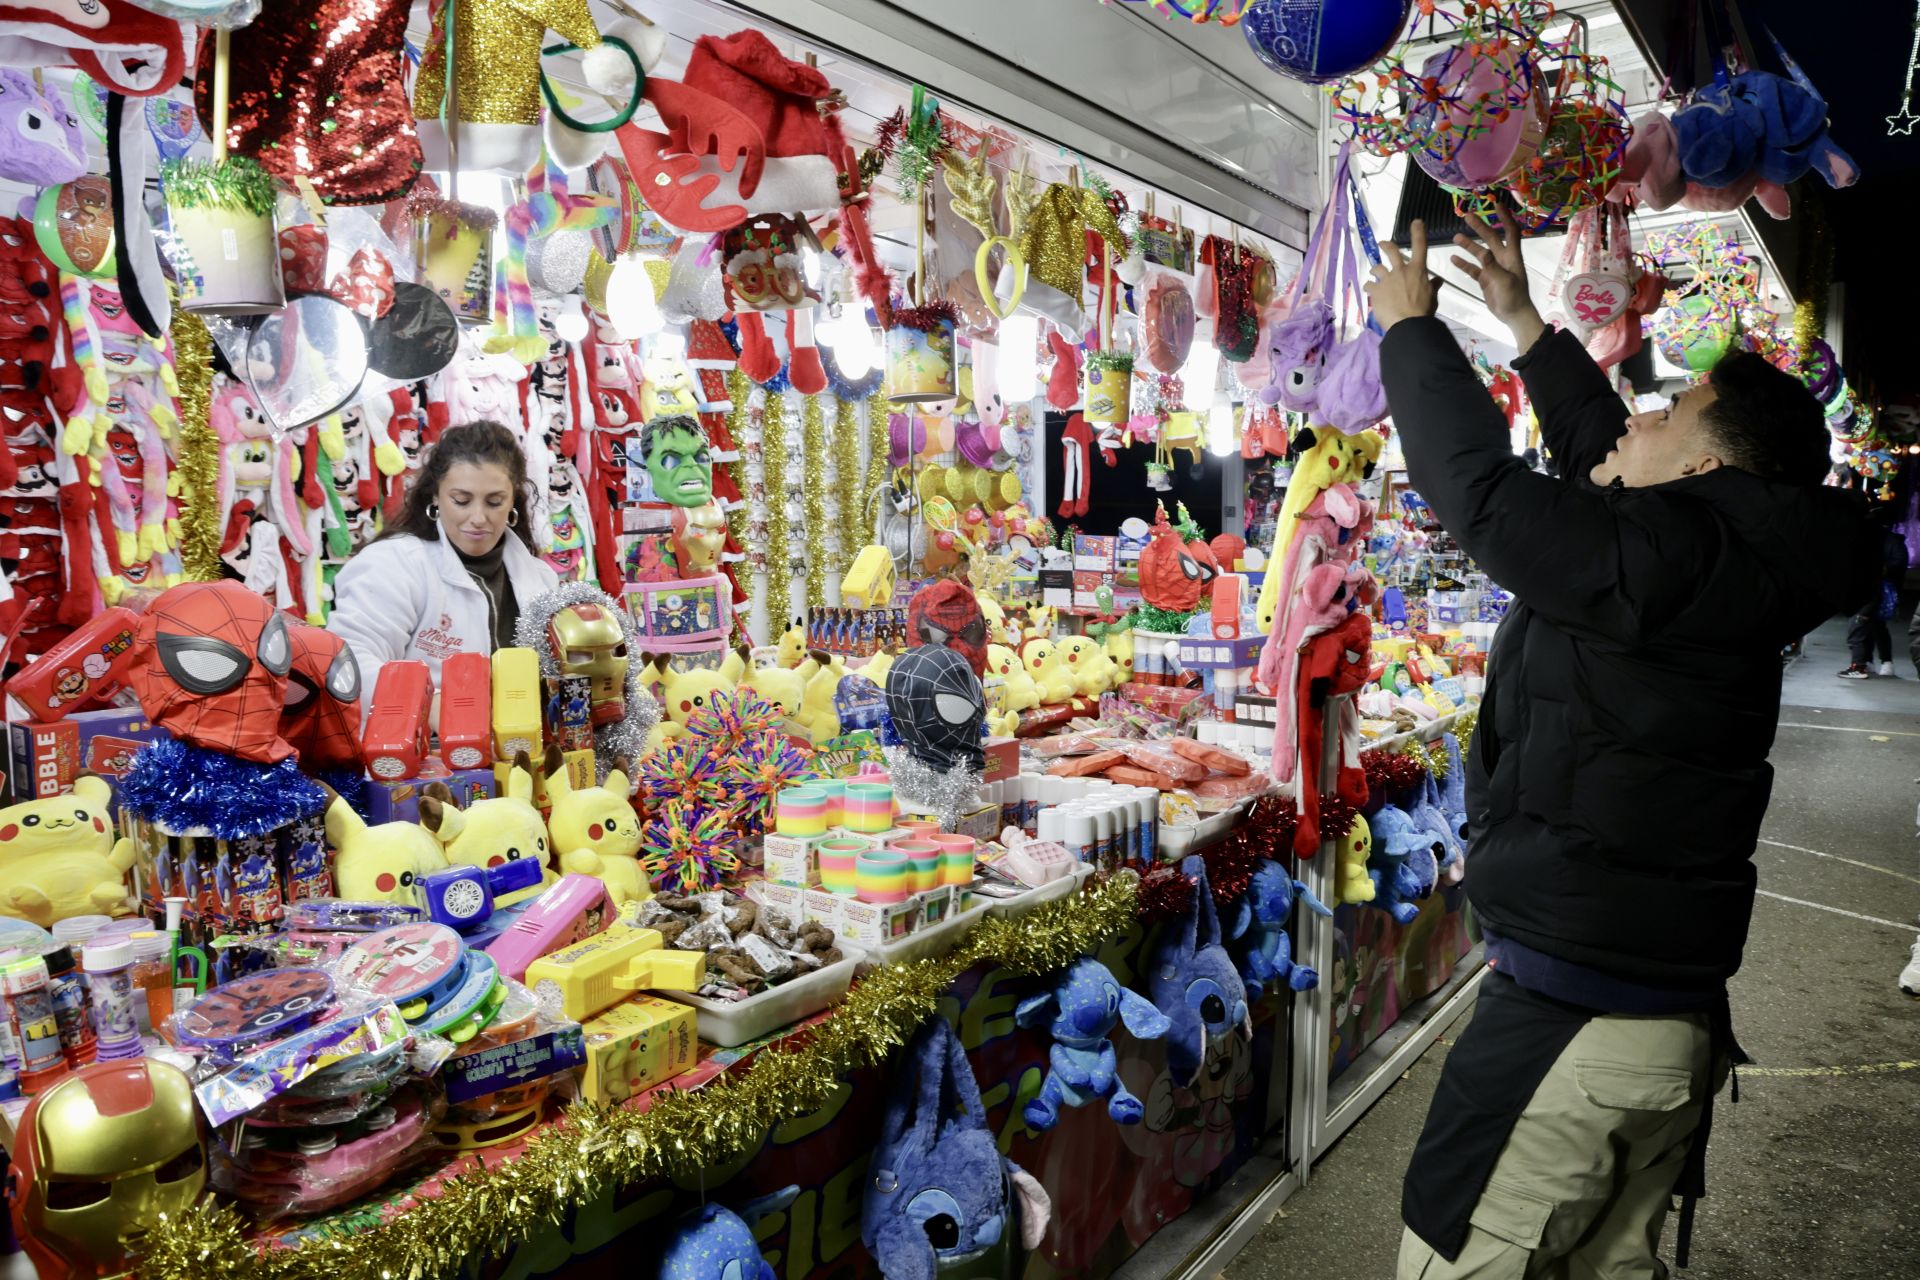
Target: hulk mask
<point x="675" y="449"/>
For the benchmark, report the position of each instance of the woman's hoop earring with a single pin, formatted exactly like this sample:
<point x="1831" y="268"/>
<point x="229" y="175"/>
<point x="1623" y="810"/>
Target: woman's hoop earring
<point x="433" y="511"/>
<point x="513" y="518"/>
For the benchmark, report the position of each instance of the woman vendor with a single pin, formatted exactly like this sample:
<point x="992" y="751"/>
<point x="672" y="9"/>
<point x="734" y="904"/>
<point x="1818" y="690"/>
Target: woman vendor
<point x="450" y="575"/>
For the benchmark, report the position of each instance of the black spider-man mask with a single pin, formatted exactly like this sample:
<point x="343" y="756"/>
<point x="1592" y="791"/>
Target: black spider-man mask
<point x="937" y="707"/>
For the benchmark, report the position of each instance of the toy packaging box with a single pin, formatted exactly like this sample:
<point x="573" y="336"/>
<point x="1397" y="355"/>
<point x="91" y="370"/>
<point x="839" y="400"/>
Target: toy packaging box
<point x="399" y="800"/>
<point x="1095" y="552"/>
<point x="44" y="759"/>
<point x="544" y="1053"/>
<point x="635" y="1045"/>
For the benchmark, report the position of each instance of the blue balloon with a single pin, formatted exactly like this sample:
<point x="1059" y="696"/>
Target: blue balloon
<point x="1322" y="40"/>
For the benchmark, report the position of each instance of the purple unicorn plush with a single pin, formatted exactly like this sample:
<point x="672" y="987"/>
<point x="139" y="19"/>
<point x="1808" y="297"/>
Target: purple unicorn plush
<point x="40" y="139"/>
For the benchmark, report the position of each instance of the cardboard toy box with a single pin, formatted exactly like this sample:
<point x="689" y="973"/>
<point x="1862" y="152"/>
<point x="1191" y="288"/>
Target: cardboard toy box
<point x="870" y="924"/>
<point x="1097" y="552"/>
<point x="399" y="800"/>
<point x="789" y="860"/>
<point x="45" y="758"/>
<point x="636" y="1045"/>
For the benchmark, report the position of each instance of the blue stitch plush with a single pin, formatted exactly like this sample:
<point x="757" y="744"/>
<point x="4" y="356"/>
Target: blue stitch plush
<point x="1402" y="867"/>
<point x="1080" y="1013"/>
<point x="715" y="1243"/>
<point x="1262" y="946"/>
<point x="1195" y="984"/>
<point x="940" y="1195"/>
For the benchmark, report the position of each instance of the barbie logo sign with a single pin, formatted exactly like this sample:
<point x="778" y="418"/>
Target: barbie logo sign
<point x="1595" y="300"/>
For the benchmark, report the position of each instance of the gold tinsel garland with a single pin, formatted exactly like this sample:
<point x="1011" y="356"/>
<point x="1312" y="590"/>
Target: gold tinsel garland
<point x="197" y="458"/>
<point x="738" y="388"/>
<point x="876" y="456"/>
<point x="680" y="1135"/>
<point x="846" y="484"/>
<point x="813" y="496"/>
<point x="1433" y="755"/>
<point x="773" y="462"/>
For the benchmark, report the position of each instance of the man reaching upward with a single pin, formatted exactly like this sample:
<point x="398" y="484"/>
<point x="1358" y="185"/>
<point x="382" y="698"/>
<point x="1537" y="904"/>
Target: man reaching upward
<point x="1619" y="774"/>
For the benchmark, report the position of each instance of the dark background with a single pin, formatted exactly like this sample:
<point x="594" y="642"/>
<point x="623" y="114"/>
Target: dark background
<point x="1120" y="492"/>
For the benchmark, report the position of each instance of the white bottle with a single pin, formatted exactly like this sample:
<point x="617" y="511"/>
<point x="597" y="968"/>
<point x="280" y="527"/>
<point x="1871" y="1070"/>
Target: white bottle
<point x="1104" y="826"/>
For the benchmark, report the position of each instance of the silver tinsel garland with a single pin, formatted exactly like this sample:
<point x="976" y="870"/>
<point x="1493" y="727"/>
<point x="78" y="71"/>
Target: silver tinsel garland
<point x="946" y="793"/>
<point x="623" y="739"/>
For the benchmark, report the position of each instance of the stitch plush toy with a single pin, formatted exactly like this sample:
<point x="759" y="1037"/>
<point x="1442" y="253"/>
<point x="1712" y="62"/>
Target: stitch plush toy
<point x="1080" y="1013"/>
<point x="595" y="830"/>
<point x="59" y="857"/>
<point x="489" y="832"/>
<point x="714" y="1243"/>
<point x="1261" y="944"/>
<point x="939" y="1192"/>
<point x="1195" y="984"/>
<point x="1403" y="867"/>
<point x="379" y="863"/>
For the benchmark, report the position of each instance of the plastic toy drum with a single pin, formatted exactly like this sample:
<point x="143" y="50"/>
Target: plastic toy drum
<point x="228" y="260"/>
<point x="920" y="362"/>
<point x="839" y="864"/>
<point x="923" y="862"/>
<point x="884" y="876"/>
<point x="1109" y="393"/>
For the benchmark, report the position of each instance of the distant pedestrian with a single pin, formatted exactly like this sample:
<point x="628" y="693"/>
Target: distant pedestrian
<point x="1867" y="634"/>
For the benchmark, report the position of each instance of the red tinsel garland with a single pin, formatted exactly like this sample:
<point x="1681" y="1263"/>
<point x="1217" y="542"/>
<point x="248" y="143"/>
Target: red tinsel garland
<point x="928" y="316"/>
<point x="1231" y="864"/>
<point x="1391" y="773"/>
<point x="1336" y="817"/>
<point x="1164" y="892"/>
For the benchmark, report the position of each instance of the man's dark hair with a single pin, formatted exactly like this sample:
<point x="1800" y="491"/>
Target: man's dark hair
<point x="665" y="423"/>
<point x="1764" y="420"/>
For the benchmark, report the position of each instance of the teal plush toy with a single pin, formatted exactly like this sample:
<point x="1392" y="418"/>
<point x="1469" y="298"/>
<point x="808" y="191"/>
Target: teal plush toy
<point x="1083" y="1008"/>
<point x="1261" y="945"/>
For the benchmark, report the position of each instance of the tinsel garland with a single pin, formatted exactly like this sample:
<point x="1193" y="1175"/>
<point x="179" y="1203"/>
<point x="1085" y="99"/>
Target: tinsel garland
<point x="928" y="316"/>
<point x="682" y="1134"/>
<point x="813" y="496"/>
<point x="1463" y="727"/>
<point x="1165" y="891"/>
<point x="739" y="386"/>
<point x="846" y="483"/>
<point x="946" y="793"/>
<point x="1391" y="772"/>
<point x="1166" y="622"/>
<point x="235" y="183"/>
<point x="1806" y="331"/>
<point x="876" y="456"/>
<point x="189" y="790"/>
<point x="773" y="462"/>
<point x="198" y="454"/>
<point x="1111" y="361"/>
<point x="1336" y="817"/>
<point x="1232" y="862"/>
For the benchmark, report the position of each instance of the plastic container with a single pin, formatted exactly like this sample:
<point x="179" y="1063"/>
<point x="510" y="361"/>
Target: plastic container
<point x="1177" y="842"/>
<point x="72" y="1007"/>
<point x="1003" y="908"/>
<point x="110" y="985"/>
<point x="77" y="931"/>
<point x="152" y="979"/>
<point x="731" y="1023"/>
<point x="930" y="941"/>
<point x="31" y="1018"/>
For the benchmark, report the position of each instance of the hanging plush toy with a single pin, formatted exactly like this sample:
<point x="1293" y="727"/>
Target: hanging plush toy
<point x="1261" y="945"/>
<point x="40" y="140"/>
<point x="1195" y="984"/>
<point x="1080" y="1012"/>
<point x="713" y="1243"/>
<point x="940" y="1195"/>
<point x="1352" y="883"/>
<point x="1403" y="869"/>
<point x="118" y="43"/>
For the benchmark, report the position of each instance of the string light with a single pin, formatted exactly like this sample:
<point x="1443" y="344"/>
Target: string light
<point x="1019" y="374"/>
<point x="571" y="324"/>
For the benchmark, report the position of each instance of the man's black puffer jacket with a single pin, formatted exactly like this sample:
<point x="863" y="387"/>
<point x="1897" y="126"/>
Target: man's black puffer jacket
<point x="1619" y="773"/>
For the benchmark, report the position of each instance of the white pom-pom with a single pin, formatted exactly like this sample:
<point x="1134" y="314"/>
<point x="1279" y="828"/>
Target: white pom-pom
<point x="1132" y="269"/>
<point x="609" y="70"/>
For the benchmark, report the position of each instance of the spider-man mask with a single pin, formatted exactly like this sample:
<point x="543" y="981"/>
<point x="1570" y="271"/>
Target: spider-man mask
<point x="937" y="707"/>
<point x="1170" y="578"/>
<point x="946" y="613"/>
<point x="211" y="669"/>
<point x="322" y="716"/>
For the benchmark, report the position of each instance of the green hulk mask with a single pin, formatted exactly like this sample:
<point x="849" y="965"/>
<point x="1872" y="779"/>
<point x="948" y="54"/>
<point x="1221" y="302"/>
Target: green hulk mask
<point x="675" y="449"/>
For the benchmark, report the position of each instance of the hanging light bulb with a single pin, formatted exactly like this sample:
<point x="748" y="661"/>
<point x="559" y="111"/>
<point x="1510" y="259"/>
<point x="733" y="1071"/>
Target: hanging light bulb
<point x="855" y="348"/>
<point x="1201" y="372"/>
<point x="630" y="302"/>
<point x="1220" y="429"/>
<point x="571" y="324"/>
<point x="1019" y="338"/>
<point x="668" y="344"/>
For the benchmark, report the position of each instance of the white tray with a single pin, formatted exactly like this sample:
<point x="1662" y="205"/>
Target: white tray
<point x="1052" y="889"/>
<point x="731" y="1023"/>
<point x="1177" y="842"/>
<point x="921" y="944"/>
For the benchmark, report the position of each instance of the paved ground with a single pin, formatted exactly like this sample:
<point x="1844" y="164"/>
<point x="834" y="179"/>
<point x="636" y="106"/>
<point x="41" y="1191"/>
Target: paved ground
<point x="1815" y="1175"/>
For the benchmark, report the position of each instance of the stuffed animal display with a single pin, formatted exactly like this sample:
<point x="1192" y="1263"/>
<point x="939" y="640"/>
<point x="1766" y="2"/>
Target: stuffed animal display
<point x="1195" y="984"/>
<point x="1260" y="943"/>
<point x="595" y="829"/>
<point x="379" y="863"/>
<point x="938" y="1189"/>
<point x="1086" y="1003"/>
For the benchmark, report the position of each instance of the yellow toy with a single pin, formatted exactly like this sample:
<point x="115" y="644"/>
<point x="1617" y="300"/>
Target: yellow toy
<point x="1085" y="663"/>
<point x="608" y="967"/>
<point x="595" y="830"/>
<point x="877" y="667"/>
<point x="1021" y="692"/>
<point x="490" y="832"/>
<point x="868" y="583"/>
<point x="1119" y="647"/>
<point x="1039" y="622"/>
<point x="1335" y="458"/>
<point x="1049" y="674"/>
<point x="682" y="693"/>
<point x="784" y="688"/>
<point x="822" y="676"/>
<point x="1351" y="882"/>
<point x="668" y="389"/>
<point x="791" y="650"/>
<point x="379" y="864"/>
<point x="996" y="618"/>
<point x="59" y="857"/>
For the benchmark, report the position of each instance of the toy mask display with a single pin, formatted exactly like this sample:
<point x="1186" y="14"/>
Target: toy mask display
<point x="947" y="613"/>
<point x="100" y="1157"/>
<point x="322" y="716"/>
<point x="211" y="669"/>
<point x="1170" y="578"/>
<point x="40" y="140"/>
<point x="674" y="448"/>
<point x="588" y="641"/>
<point x="937" y="707"/>
<point x="701" y="535"/>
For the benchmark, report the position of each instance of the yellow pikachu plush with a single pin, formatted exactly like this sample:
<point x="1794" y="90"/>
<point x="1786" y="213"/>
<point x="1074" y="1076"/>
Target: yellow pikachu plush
<point x="59" y="857"/>
<point x="1049" y="673"/>
<point x="668" y="389"/>
<point x="784" y="688"/>
<point x="822" y="675"/>
<point x="1351" y="883"/>
<point x="1086" y="665"/>
<point x="1119" y="647"/>
<point x="996" y="618"/>
<point x="1039" y="622"/>
<point x="595" y="830"/>
<point x="791" y="650"/>
<point x="682" y="693"/>
<point x="1021" y="690"/>
<point x="379" y="864"/>
<point x="877" y="667"/>
<point x="489" y="832"/>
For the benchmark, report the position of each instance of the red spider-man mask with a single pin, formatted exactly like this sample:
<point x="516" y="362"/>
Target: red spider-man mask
<point x="322" y="716"/>
<point x="1170" y="578"/>
<point x="211" y="669"/>
<point x="946" y="613"/>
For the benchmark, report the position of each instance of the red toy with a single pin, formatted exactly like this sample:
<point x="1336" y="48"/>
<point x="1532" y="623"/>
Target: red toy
<point x="1170" y="578"/>
<point x="394" y="742"/>
<point x="466" y="710"/>
<point x="322" y="716"/>
<point x="947" y="613"/>
<point x="87" y="667"/>
<point x="1334" y="662"/>
<point x="210" y="667"/>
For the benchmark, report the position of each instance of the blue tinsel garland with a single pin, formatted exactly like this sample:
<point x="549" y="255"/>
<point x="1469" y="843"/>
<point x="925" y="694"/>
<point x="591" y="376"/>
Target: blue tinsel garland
<point x="183" y="788"/>
<point x="845" y="388"/>
<point x="774" y="385"/>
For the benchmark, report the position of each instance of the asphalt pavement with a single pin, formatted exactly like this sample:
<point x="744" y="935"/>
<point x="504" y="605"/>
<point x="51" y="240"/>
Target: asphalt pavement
<point x="1815" y="1173"/>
